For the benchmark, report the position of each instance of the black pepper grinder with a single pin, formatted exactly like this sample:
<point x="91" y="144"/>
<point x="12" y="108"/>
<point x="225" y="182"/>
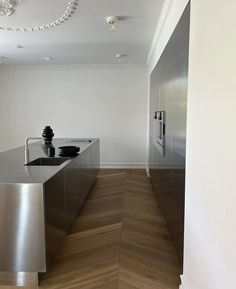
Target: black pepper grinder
<point x="48" y="134"/>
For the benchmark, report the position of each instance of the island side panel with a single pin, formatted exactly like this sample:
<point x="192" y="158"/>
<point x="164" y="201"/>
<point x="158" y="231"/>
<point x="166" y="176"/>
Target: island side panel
<point x="64" y="195"/>
<point x="55" y="218"/>
<point x="80" y="175"/>
<point x="22" y="231"/>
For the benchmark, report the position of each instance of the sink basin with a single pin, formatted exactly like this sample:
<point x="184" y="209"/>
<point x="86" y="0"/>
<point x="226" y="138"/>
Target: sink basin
<point x="47" y="162"/>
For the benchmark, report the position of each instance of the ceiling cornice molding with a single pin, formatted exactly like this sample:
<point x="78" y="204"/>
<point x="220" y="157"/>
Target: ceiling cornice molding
<point x="160" y="25"/>
<point x="16" y="67"/>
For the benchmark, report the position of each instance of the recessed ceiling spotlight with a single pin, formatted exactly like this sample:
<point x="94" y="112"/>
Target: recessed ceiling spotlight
<point x="18" y="46"/>
<point x="119" y="57"/>
<point x="112" y="20"/>
<point x="2" y="58"/>
<point x="47" y="58"/>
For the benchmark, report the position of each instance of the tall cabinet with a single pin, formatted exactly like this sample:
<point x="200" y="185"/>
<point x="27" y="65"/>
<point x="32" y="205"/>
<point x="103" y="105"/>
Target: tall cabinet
<point x="168" y="111"/>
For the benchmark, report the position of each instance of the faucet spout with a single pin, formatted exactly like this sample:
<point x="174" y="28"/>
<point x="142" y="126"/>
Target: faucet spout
<point x="27" y="147"/>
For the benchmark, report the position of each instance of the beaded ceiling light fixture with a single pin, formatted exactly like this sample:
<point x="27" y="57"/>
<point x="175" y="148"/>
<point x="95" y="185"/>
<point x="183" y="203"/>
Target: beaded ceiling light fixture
<point x="8" y="7"/>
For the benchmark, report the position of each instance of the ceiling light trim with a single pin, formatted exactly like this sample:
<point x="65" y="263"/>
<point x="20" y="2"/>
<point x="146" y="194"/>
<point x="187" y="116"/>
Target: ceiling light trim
<point x="7" y="7"/>
<point x="68" y="13"/>
<point x="112" y="20"/>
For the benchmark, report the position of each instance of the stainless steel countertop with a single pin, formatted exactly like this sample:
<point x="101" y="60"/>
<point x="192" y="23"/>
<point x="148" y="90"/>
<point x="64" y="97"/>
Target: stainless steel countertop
<point x="13" y="170"/>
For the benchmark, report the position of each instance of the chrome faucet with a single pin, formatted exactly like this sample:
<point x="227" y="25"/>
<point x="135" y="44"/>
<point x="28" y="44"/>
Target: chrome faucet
<point x="27" y="147"/>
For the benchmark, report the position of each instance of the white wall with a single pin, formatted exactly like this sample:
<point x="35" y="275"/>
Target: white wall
<point x="210" y="235"/>
<point x="93" y="101"/>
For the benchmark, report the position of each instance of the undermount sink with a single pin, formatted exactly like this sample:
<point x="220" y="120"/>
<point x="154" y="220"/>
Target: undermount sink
<point x="47" y="162"/>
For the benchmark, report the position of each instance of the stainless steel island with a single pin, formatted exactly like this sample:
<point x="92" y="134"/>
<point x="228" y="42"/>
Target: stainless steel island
<point x="38" y="205"/>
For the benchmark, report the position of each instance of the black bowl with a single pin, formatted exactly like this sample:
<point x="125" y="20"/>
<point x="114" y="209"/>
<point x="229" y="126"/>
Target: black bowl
<point x="67" y="151"/>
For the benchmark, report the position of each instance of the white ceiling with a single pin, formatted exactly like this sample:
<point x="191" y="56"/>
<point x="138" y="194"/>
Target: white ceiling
<point x="85" y="38"/>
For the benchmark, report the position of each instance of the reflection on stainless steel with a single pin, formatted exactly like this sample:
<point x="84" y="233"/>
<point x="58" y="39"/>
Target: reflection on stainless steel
<point x="169" y="94"/>
<point x="19" y="279"/>
<point x="37" y="206"/>
<point x="22" y="228"/>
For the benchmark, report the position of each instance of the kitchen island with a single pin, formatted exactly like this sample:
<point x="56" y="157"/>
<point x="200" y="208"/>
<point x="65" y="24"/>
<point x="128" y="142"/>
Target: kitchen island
<point x="38" y="204"/>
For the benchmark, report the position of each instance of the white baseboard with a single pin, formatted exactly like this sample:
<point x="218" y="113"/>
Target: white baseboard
<point x="183" y="283"/>
<point x="123" y="166"/>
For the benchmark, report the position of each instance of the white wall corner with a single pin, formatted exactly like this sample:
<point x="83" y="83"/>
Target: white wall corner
<point x="183" y="283"/>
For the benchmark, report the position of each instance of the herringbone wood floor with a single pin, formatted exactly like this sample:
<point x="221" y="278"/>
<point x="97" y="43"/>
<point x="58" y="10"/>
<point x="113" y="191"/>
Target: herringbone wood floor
<point x="118" y="241"/>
